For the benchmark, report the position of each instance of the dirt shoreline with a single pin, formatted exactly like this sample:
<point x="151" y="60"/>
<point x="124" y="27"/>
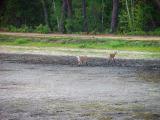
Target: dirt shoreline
<point x="72" y="60"/>
<point x="111" y="36"/>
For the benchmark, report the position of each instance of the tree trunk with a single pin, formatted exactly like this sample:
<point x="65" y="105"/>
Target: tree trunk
<point x="66" y="12"/>
<point x="102" y="17"/>
<point x="129" y="16"/>
<point x="45" y="13"/>
<point x="1" y="3"/>
<point x="69" y="7"/>
<point x="158" y="3"/>
<point x="115" y="12"/>
<point x="132" y="13"/>
<point x="63" y="16"/>
<point x="85" y="28"/>
<point x="57" y="18"/>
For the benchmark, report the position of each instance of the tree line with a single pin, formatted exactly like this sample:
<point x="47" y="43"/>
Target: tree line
<point x="71" y="16"/>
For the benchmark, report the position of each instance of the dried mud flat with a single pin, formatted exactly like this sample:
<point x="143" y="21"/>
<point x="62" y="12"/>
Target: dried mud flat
<point x="69" y="92"/>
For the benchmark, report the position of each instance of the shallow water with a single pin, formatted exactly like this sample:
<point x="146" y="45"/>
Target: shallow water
<point x="39" y="91"/>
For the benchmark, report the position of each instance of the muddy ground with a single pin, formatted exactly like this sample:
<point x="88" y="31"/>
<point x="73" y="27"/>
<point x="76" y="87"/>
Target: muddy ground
<point x="69" y="92"/>
<point x="72" y="60"/>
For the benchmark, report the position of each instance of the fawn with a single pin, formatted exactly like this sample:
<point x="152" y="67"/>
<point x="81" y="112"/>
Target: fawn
<point x="112" y="56"/>
<point x="82" y="60"/>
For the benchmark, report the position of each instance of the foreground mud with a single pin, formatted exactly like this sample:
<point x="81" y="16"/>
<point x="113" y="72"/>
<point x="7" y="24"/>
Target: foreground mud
<point x="66" y="92"/>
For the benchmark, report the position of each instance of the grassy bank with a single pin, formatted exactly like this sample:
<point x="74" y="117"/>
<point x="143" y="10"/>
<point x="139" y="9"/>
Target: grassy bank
<point x="97" y="43"/>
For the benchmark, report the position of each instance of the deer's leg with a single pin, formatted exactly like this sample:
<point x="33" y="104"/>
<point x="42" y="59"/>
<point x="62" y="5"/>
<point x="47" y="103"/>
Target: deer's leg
<point x="114" y="60"/>
<point x="86" y="62"/>
<point x="79" y="62"/>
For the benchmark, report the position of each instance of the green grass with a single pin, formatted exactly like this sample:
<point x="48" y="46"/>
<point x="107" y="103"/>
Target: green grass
<point x="94" y="43"/>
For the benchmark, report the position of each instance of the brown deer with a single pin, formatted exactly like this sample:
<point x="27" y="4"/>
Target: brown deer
<point x="112" y="57"/>
<point x="82" y="60"/>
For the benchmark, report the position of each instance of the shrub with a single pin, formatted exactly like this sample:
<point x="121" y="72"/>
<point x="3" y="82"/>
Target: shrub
<point x="42" y="29"/>
<point x="73" y="25"/>
<point x="24" y="28"/>
<point x="12" y="28"/>
<point x="155" y="32"/>
<point x="21" y="41"/>
<point x="69" y="25"/>
<point x="137" y="33"/>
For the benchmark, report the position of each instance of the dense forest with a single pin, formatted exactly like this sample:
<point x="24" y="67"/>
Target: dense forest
<point x="76" y="16"/>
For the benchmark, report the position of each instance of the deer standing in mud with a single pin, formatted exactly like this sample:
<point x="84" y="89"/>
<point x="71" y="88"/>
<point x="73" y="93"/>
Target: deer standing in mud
<point x="112" y="57"/>
<point x="82" y="60"/>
